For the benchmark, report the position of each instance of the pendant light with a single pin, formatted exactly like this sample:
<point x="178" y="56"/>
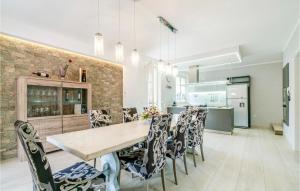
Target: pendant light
<point x="119" y="48"/>
<point x="135" y="57"/>
<point x="160" y="63"/>
<point x="175" y="69"/>
<point x="169" y="67"/>
<point x="98" y="38"/>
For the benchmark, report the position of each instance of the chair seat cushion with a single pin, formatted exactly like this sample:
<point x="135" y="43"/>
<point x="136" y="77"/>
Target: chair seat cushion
<point x="130" y="157"/>
<point x="134" y="164"/>
<point x="80" y="177"/>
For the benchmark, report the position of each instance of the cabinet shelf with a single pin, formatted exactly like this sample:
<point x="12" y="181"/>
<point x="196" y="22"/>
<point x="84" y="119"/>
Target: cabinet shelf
<point x="52" y="107"/>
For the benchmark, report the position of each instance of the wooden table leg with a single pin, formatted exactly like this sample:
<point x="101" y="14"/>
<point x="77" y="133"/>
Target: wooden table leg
<point x="111" y="167"/>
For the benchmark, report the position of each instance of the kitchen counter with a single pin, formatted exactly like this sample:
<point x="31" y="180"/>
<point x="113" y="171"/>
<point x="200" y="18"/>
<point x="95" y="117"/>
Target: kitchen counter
<point x="218" y="118"/>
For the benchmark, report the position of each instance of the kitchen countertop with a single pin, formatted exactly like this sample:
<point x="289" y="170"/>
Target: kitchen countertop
<point x="207" y="107"/>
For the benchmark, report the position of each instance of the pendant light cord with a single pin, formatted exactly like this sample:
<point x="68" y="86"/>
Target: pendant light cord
<point x="175" y="47"/>
<point x="134" y="32"/>
<point x="119" y="20"/>
<point x="98" y="12"/>
<point x="168" y="48"/>
<point x="160" y="42"/>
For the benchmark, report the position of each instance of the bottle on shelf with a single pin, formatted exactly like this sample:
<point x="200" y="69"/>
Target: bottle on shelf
<point x="42" y="74"/>
<point x="83" y="76"/>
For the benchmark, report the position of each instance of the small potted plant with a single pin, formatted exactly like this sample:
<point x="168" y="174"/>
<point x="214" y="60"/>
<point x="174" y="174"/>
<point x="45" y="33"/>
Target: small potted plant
<point x="149" y="112"/>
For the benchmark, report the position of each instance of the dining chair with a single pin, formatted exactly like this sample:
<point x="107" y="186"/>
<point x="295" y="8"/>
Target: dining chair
<point x="99" y="118"/>
<point x="202" y="118"/>
<point x="151" y="160"/>
<point x="196" y="128"/>
<point x="177" y="143"/>
<point x="130" y="114"/>
<point x="80" y="176"/>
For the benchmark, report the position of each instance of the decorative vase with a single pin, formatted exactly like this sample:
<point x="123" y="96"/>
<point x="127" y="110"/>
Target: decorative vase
<point x="63" y="71"/>
<point x="147" y="121"/>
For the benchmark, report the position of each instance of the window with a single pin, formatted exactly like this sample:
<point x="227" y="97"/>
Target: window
<point x="180" y="88"/>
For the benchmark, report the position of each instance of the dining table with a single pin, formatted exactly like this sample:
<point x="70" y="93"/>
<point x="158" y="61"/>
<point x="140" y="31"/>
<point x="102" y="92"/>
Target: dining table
<point x="104" y="142"/>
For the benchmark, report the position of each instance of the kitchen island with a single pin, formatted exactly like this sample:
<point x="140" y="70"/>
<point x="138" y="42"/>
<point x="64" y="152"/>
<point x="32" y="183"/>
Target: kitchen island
<point x="220" y="119"/>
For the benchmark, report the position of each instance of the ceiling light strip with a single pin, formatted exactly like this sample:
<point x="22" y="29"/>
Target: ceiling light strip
<point x="54" y="48"/>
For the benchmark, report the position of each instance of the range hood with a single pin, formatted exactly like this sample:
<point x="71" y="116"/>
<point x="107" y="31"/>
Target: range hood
<point x="193" y="74"/>
<point x="209" y="60"/>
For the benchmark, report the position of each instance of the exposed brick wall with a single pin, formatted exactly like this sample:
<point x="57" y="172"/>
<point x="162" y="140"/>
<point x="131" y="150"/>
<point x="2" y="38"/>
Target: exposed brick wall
<point x="21" y="58"/>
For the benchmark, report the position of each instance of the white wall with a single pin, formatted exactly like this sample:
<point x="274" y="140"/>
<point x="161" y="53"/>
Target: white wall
<point x="266" y="89"/>
<point x="136" y="86"/>
<point x="168" y="91"/>
<point x="292" y="132"/>
<point x="135" y="90"/>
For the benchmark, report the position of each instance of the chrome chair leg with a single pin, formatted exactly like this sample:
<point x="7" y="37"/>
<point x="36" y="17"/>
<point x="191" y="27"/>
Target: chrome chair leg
<point x="174" y="171"/>
<point x="163" y="179"/>
<point x="147" y="185"/>
<point x="185" y="166"/>
<point x="201" y="149"/>
<point x="95" y="162"/>
<point x="194" y="157"/>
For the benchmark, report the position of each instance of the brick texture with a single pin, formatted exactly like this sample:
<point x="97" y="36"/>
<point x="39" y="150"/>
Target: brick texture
<point x="21" y="58"/>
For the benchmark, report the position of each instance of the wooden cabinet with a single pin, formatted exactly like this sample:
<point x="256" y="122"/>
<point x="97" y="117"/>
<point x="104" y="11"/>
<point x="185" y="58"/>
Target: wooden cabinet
<point x="52" y="107"/>
<point x="75" y="123"/>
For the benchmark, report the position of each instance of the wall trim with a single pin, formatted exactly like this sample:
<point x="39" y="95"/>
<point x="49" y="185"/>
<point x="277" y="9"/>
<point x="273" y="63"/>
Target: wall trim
<point x="241" y="66"/>
<point x="262" y="126"/>
<point x="291" y="35"/>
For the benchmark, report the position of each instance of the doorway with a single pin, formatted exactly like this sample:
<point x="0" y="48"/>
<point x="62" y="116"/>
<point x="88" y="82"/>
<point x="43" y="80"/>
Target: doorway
<point x="286" y="94"/>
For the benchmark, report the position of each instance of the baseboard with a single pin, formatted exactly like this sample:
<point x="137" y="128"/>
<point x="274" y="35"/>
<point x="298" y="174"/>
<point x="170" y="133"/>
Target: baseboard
<point x="261" y="126"/>
<point x="218" y="131"/>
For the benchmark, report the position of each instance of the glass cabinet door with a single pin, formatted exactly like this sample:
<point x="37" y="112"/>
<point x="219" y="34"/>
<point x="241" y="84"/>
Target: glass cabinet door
<point x="42" y="101"/>
<point x="74" y="101"/>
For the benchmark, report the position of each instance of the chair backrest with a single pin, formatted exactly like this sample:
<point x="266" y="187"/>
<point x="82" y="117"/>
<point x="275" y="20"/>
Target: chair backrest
<point x="99" y="118"/>
<point x="37" y="159"/>
<point x="201" y="123"/>
<point x="155" y="153"/>
<point x="130" y="114"/>
<point x="196" y="125"/>
<point x="181" y="134"/>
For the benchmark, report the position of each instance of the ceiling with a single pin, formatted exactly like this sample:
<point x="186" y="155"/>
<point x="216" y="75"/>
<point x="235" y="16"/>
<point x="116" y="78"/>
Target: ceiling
<point x="259" y="27"/>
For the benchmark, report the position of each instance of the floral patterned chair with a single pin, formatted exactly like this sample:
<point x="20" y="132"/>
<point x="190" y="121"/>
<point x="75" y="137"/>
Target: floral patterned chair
<point x="152" y="160"/>
<point x="79" y="177"/>
<point x="130" y="114"/>
<point x="177" y="143"/>
<point x="99" y="118"/>
<point x="196" y="129"/>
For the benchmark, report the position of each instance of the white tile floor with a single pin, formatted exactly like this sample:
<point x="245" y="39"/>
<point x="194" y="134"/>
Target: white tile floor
<point x="251" y="159"/>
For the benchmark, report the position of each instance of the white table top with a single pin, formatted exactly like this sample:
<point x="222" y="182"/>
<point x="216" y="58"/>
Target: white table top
<point x="91" y="143"/>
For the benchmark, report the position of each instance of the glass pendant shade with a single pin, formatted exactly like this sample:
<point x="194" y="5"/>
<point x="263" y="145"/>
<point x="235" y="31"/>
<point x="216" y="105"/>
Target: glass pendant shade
<point x="98" y="45"/>
<point x="169" y="69"/>
<point x="175" y="71"/>
<point x="161" y="65"/>
<point x="119" y="52"/>
<point x="135" y="57"/>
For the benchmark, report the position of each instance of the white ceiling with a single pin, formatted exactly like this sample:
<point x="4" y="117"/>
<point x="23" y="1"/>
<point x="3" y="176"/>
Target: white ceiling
<point x="259" y="27"/>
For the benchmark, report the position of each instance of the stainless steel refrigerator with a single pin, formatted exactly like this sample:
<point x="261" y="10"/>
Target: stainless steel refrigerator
<point x="237" y="97"/>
